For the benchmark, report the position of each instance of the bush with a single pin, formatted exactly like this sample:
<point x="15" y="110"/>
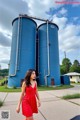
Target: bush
<point x="14" y="87"/>
<point x="4" y="82"/>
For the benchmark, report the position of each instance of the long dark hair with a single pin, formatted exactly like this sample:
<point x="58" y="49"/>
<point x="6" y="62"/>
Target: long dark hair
<point x="28" y="75"/>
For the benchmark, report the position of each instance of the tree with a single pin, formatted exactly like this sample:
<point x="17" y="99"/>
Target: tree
<point x="76" y="63"/>
<point x="75" y="67"/>
<point x="65" y="67"/>
<point x="62" y="69"/>
<point x="4" y="72"/>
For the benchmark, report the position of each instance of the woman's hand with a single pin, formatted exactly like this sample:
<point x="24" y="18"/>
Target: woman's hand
<point x="39" y="103"/>
<point x="18" y="109"/>
<point x="21" y="97"/>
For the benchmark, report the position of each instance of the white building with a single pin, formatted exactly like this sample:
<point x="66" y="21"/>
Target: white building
<point x="74" y="77"/>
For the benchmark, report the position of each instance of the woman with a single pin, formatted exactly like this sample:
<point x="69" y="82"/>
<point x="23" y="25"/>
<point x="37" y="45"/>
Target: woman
<point x="28" y="96"/>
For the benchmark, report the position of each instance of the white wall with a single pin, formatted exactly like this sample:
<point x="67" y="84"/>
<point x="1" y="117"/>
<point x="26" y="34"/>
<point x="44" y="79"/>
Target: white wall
<point x="75" y="79"/>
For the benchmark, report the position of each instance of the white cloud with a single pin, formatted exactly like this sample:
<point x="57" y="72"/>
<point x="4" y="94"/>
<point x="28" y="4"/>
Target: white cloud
<point x="9" y="9"/>
<point x="63" y="11"/>
<point x="69" y="37"/>
<point x="5" y="40"/>
<point x="4" y="56"/>
<point x="61" y="22"/>
<point x="39" y="8"/>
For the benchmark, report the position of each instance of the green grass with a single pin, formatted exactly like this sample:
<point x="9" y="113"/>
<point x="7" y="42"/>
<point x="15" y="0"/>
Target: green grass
<point x="40" y="88"/>
<point x="6" y="89"/>
<point x="73" y="96"/>
<point x="1" y="103"/>
<point x="43" y="88"/>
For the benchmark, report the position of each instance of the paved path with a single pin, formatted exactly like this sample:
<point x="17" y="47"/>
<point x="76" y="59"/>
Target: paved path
<point x="52" y="106"/>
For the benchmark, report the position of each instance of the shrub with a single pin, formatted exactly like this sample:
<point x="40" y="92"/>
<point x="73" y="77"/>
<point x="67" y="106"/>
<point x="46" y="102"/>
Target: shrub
<point x="14" y="87"/>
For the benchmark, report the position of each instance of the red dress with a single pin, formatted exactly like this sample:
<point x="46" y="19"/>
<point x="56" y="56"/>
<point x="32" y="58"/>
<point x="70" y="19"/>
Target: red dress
<point x="29" y="103"/>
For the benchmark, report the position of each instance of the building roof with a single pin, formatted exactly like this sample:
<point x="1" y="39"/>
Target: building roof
<point x="73" y="74"/>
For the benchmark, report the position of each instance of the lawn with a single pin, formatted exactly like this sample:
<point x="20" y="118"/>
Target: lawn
<point x="6" y="89"/>
<point x="73" y="96"/>
<point x="43" y="88"/>
<point x="40" y="88"/>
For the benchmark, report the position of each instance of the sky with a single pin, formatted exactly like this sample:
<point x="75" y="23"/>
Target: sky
<point x="66" y="16"/>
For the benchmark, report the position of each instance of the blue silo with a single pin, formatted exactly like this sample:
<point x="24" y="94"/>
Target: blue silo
<point x="23" y="49"/>
<point x="49" y="69"/>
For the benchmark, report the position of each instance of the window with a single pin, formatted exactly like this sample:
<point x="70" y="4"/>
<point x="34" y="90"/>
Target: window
<point x="71" y="77"/>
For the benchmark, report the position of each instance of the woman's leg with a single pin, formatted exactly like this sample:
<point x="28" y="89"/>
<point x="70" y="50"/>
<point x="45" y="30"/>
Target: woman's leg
<point x="29" y="118"/>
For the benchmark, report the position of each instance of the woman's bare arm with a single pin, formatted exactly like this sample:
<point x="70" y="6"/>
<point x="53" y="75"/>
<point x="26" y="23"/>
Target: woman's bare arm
<point x="21" y="96"/>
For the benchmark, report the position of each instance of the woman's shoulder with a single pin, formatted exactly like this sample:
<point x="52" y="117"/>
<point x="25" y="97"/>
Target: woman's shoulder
<point x="24" y="84"/>
<point x="36" y="82"/>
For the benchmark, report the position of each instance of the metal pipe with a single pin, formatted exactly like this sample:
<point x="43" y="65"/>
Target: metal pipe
<point x="38" y="53"/>
<point x="16" y="50"/>
<point x="47" y="54"/>
<point x="19" y="43"/>
<point x="25" y="15"/>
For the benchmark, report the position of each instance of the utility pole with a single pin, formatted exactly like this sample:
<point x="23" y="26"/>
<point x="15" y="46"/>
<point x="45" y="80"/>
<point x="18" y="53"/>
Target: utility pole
<point x="64" y="54"/>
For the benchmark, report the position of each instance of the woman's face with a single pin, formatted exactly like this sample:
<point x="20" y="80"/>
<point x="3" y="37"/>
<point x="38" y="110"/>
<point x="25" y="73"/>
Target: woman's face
<point x="33" y="75"/>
